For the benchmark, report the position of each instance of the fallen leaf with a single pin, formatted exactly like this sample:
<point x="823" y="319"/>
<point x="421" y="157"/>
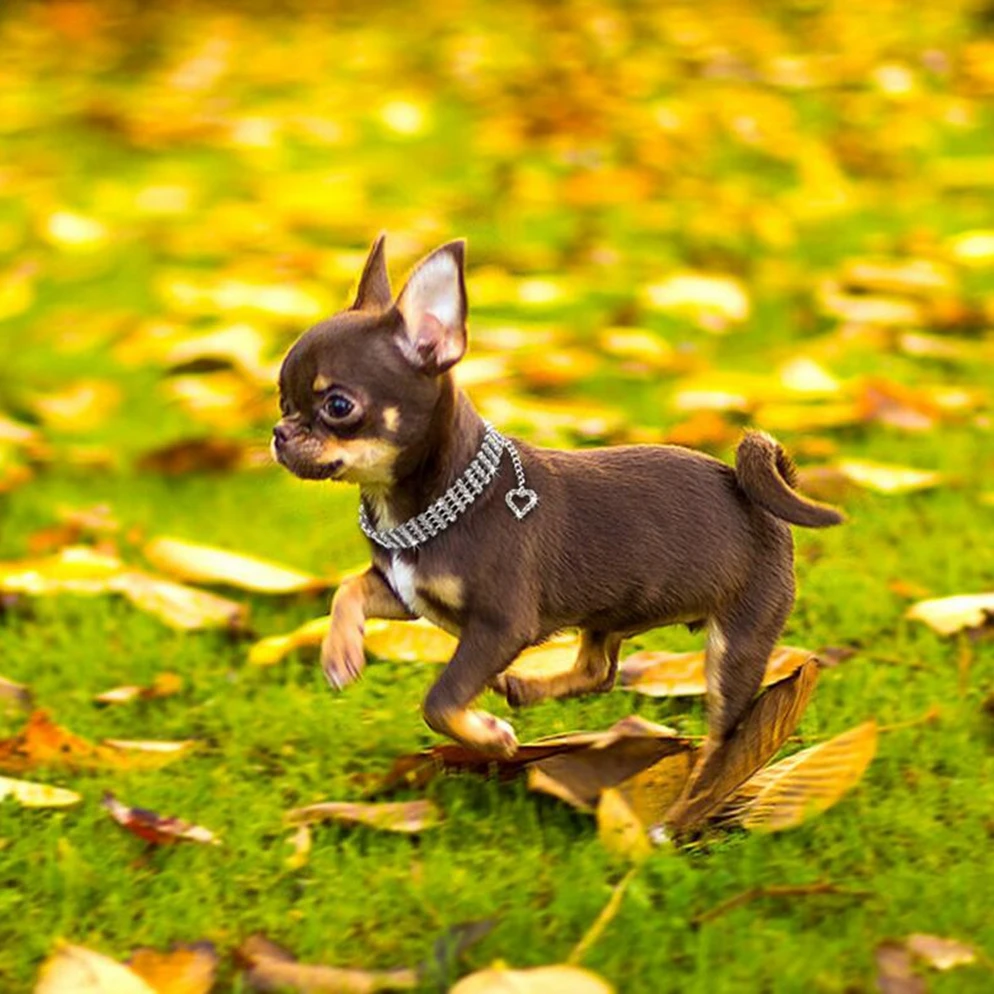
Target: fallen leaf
<point x="558" y="979"/>
<point x="724" y="767"/>
<point x="164" y="685"/>
<point x="972" y="248"/>
<point x="628" y="746"/>
<point x="895" y="972"/>
<point x="681" y="674"/>
<point x="301" y="840"/>
<point x="896" y="405"/>
<point x="619" y="828"/>
<point x="274" y="648"/>
<point x="15" y="693"/>
<point x="77" y="570"/>
<point x="948" y="615"/>
<point x="638" y="345"/>
<point x="409" y="641"/>
<point x="81" y="407"/>
<point x="179" y="606"/>
<point x="184" y="969"/>
<point x="551" y="658"/>
<point x="37" y="795"/>
<point x="943" y="954"/>
<point x="703" y="430"/>
<point x="401" y="816"/>
<point x="269" y="967"/>
<point x="886" y="478"/>
<point x="195" y="455"/>
<point x="154" y="828"/>
<point x="77" y="970"/>
<point x="912" y="277"/>
<point x="198" y="563"/>
<point x="713" y="301"/>
<point x="44" y="744"/>
<point x="809" y="782"/>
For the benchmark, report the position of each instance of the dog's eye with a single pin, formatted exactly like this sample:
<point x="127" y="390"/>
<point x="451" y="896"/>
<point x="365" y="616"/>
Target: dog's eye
<point x="338" y="407"/>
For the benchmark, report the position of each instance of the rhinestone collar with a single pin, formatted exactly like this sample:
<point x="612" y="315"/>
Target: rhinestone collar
<point x="448" y="508"/>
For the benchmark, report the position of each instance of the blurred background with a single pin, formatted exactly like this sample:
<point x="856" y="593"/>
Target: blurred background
<point x="681" y="217"/>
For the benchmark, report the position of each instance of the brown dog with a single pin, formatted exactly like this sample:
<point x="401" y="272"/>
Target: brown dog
<point x="502" y="543"/>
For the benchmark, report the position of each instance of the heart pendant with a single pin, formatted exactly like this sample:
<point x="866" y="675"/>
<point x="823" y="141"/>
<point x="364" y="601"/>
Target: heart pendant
<point x="521" y="500"/>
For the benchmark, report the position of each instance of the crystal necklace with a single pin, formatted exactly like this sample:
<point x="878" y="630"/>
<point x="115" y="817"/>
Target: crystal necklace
<point x="448" y="508"/>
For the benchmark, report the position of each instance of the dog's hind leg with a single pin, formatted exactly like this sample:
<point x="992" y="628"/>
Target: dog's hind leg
<point x="592" y="673"/>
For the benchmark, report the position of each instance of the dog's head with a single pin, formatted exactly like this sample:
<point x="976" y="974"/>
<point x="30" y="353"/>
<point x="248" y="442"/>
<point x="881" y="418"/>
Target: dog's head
<point x="358" y="391"/>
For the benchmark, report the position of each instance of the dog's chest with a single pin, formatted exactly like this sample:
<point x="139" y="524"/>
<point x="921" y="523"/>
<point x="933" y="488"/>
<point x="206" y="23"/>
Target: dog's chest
<point x="428" y="594"/>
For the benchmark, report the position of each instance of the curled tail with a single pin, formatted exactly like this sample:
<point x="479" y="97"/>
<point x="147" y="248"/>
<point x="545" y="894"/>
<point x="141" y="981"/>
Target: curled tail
<point x="767" y="476"/>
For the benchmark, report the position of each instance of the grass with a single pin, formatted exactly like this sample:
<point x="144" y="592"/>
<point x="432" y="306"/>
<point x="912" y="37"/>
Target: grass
<point x="914" y="835"/>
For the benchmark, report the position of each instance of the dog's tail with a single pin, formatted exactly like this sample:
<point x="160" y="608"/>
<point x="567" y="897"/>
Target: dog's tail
<point x="767" y="476"/>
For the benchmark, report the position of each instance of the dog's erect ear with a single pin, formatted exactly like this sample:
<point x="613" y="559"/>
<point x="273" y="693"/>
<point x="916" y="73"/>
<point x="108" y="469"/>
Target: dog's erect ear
<point x="433" y="305"/>
<point x="374" y="284"/>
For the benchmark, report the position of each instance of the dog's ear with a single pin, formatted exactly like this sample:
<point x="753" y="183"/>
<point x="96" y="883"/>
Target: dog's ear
<point x="374" y="284"/>
<point x="433" y="306"/>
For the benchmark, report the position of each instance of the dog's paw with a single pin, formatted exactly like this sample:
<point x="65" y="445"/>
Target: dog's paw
<point x="483" y="732"/>
<point x="342" y="657"/>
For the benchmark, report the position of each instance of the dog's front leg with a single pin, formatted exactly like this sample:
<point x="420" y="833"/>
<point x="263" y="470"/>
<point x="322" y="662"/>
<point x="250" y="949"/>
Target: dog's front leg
<point x="358" y="598"/>
<point x="482" y="653"/>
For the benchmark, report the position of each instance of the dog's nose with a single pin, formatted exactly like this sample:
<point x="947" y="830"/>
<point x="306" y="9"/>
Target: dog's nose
<point x="281" y="434"/>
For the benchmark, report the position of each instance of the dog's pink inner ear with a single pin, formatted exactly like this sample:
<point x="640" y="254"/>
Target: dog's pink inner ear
<point x="433" y="306"/>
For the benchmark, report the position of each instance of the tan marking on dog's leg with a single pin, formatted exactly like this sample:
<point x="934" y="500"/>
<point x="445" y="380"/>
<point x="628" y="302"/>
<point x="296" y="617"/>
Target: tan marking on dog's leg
<point x="358" y="598"/>
<point x="592" y="673"/>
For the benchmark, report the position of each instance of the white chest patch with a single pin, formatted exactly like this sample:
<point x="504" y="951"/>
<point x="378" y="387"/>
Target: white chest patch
<point x="401" y="577"/>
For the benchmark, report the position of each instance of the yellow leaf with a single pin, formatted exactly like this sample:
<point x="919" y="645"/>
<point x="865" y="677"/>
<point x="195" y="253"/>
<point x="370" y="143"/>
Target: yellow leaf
<point x="186" y="969"/>
<point x="37" y="795"/>
<point x="639" y="345"/>
<point x="943" y="954"/>
<point x="208" y="564"/>
<point x="713" y="301"/>
<point x="724" y="766"/>
<point x="551" y="658"/>
<point x="948" y="615"/>
<point x="80" y="407"/>
<point x="809" y="782"/>
<point x="391" y="816"/>
<point x="409" y="641"/>
<point x="271" y="650"/>
<point x="301" y="840"/>
<point x="77" y="970"/>
<point x="69" y="230"/>
<point x="178" y="606"/>
<point x="404" y="117"/>
<point x="559" y="979"/>
<point x="973" y="248"/>
<point x="681" y="674"/>
<point x="886" y="478"/>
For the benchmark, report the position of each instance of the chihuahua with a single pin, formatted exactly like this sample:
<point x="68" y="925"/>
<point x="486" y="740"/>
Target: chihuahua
<point x="502" y="543"/>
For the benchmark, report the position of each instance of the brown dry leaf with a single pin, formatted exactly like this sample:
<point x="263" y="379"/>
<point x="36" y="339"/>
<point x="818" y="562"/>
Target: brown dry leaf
<point x="809" y="782"/>
<point x="401" y="816"/>
<point x="409" y="641"/>
<point x="631" y="747"/>
<point x="15" y="693"/>
<point x="558" y="979"/>
<point x="195" y="455"/>
<point x="703" y="430"/>
<point x="653" y="791"/>
<point x="77" y="970"/>
<point x="627" y="747"/>
<point x="275" y="648"/>
<point x="896" y="405"/>
<point x="155" y="828"/>
<point x="269" y="967"/>
<point x="184" y="969"/>
<point x="43" y="743"/>
<point x="943" y="954"/>
<point x="681" y="674"/>
<point x="164" y="685"/>
<point x="895" y="971"/>
<point x="37" y="795"/>
<point x="619" y="828"/>
<point x="197" y="563"/>
<point x="949" y="615"/>
<point x="723" y="768"/>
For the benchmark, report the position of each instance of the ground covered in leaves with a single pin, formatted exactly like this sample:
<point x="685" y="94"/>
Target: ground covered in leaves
<point x="681" y="220"/>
